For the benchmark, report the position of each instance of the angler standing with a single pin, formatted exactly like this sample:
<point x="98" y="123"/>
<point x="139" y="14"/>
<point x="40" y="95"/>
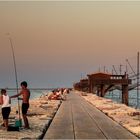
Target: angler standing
<point x="25" y="93"/>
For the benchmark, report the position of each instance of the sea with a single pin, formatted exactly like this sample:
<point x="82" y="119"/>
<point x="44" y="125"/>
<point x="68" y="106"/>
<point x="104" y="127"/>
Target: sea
<point x="116" y="96"/>
<point x="34" y="94"/>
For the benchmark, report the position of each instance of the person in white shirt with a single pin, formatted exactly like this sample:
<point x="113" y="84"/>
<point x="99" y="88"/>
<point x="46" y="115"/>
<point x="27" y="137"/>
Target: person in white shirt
<point x="6" y="107"/>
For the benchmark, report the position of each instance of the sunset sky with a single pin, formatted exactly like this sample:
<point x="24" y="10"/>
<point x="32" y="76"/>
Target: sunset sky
<point x="58" y="42"/>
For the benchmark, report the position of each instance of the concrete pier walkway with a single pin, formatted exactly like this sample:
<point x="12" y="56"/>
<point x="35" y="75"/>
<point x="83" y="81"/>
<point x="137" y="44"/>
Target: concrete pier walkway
<point x="77" y="119"/>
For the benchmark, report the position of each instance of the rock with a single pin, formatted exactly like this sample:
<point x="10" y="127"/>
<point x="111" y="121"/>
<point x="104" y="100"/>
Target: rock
<point x="39" y="119"/>
<point x="124" y="115"/>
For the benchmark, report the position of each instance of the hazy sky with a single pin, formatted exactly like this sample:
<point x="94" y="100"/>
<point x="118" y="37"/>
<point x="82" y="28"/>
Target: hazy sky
<point x="57" y="42"/>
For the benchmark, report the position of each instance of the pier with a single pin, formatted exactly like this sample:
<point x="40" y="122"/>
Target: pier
<point x="78" y="119"/>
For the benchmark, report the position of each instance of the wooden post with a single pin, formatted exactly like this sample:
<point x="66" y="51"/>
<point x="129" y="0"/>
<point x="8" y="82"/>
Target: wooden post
<point x="125" y="94"/>
<point x="102" y="90"/>
<point x="90" y="84"/>
<point x="90" y="81"/>
<point x="98" y="91"/>
<point x="125" y="91"/>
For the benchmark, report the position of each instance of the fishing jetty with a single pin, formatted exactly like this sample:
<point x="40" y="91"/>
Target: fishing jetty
<point x="77" y="118"/>
<point x="82" y="115"/>
<point x="85" y="114"/>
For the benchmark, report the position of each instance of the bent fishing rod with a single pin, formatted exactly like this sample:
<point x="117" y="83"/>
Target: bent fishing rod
<point x="15" y="69"/>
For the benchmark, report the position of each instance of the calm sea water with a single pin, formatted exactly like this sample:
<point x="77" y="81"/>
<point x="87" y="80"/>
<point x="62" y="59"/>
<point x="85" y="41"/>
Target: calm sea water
<point x="34" y="94"/>
<point x="116" y="96"/>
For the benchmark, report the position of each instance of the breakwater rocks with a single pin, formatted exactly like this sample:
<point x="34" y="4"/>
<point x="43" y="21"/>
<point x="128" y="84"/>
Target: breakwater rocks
<point x="126" y="116"/>
<point x="40" y="115"/>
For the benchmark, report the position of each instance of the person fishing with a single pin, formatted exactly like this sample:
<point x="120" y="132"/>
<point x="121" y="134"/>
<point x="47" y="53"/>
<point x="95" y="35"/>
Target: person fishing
<point x="6" y="107"/>
<point x="25" y="93"/>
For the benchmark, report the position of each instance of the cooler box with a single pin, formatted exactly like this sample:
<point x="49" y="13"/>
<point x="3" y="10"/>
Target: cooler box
<point x="18" y="123"/>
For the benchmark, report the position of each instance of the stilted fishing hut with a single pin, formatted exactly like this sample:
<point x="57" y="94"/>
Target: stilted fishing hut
<point x="82" y="85"/>
<point x="102" y="82"/>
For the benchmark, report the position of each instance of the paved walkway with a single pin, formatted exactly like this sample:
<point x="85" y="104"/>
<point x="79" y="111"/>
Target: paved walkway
<point x="77" y="119"/>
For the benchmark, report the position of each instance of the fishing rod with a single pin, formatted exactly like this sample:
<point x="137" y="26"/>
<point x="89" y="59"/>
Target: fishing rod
<point x="15" y="69"/>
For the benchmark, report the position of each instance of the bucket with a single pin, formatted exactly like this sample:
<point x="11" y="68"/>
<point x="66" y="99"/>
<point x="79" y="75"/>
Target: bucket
<point x="18" y="123"/>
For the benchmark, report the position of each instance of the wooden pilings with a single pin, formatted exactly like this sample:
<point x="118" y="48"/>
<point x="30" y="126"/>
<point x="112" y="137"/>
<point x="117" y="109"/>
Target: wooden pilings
<point x="125" y="91"/>
<point x="102" y="82"/>
<point x="125" y="94"/>
<point x="102" y="90"/>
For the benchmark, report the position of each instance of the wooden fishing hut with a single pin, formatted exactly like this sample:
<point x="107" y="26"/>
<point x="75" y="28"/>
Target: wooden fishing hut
<point x="77" y="86"/>
<point x="82" y="85"/>
<point x="102" y="82"/>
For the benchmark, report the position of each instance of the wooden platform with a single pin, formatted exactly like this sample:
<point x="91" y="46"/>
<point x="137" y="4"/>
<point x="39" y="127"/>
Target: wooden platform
<point x="77" y="119"/>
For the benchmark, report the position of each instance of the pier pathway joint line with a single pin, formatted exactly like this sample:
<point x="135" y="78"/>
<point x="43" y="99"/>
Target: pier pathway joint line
<point x="78" y="119"/>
